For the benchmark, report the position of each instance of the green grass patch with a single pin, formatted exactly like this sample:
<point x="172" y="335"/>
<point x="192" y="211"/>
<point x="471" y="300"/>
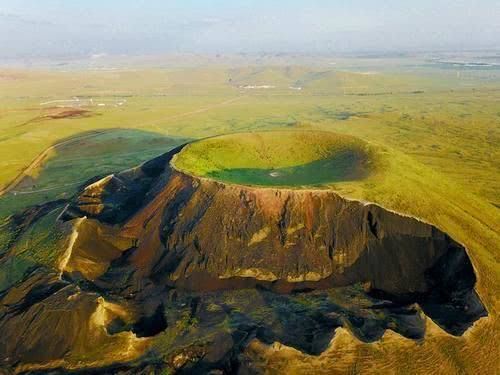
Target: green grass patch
<point x="278" y="158"/>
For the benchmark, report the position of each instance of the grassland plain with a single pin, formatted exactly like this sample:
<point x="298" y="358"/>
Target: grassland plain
<point x="438" y="133"/>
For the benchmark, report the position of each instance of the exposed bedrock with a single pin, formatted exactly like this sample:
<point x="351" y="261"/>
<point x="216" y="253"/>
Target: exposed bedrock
<point x="153" y="250"/>
<point x="202" y="235"/>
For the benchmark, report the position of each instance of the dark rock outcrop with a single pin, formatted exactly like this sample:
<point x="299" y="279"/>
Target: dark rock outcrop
<point x="170" y="250"/>
<point x="200" y="234"/>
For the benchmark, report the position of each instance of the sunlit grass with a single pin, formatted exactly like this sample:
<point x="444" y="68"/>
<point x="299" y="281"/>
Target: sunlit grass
<point x="436" y="137"/>
<point x="279" y="158"/>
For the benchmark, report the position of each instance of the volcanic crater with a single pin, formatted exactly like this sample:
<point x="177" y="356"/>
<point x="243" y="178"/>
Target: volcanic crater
<point x="239" y="238"/>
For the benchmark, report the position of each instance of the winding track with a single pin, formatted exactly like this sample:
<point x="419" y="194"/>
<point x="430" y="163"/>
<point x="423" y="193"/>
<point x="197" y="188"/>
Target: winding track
<point x="40" y="158"/>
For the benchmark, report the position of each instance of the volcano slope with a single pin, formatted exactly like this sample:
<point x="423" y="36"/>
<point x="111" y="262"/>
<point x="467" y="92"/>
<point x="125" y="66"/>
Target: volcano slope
<point x="160" y="267"/>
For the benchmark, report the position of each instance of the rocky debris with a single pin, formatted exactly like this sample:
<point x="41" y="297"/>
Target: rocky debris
<point x="114" y="198"/>
<point x="43" y="317"/>
<point x="201" y="235"/>
<point x="204" y="235"/>
<point x="18" y="224"/>
<point x="212" y="266"/>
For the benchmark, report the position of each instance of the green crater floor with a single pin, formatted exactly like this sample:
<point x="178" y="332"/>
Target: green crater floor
<point x="281" y="158"/>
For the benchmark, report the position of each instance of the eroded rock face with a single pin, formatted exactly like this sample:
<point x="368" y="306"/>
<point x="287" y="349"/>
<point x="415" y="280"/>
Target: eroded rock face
<point x="166" y="247"/>
<point x="45" y="319"/>
<point x="204" y="235"/>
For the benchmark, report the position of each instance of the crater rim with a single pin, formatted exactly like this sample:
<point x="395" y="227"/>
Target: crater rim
<point x="354" y="158"/>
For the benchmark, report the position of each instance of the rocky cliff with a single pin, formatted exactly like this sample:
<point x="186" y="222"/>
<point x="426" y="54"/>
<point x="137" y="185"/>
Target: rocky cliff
<point x="148" y="237"/>
<point x="201" y="234"/>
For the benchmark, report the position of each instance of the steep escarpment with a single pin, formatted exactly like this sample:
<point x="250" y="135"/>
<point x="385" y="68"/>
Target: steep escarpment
<point x="194" y="269"/>
<point x="202" y="235"/>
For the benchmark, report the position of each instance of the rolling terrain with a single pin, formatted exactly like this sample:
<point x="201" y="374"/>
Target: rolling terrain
<point x="130" y="244"/>
<point x="421" y="157"/>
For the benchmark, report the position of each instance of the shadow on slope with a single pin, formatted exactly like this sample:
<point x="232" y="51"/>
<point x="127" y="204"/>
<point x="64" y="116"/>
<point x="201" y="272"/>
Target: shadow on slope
<point x="29" y="238"/>
<point x="81" y="157"/>
<point x="346" y="166"/>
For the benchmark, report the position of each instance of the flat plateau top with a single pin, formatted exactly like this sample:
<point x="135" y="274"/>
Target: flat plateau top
<point x="277" y="158"/>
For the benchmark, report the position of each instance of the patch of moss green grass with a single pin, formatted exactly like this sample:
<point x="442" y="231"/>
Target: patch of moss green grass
<point x="278" y="158"/>
<point x="40" y="246"/>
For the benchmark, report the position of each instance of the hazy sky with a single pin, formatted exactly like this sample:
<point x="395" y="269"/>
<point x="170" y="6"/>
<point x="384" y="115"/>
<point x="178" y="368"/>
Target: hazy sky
<point x="52" y="28"/>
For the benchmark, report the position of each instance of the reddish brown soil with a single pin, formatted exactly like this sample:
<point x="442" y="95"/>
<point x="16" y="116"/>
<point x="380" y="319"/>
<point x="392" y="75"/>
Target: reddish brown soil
<point x="67" y="113"/>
